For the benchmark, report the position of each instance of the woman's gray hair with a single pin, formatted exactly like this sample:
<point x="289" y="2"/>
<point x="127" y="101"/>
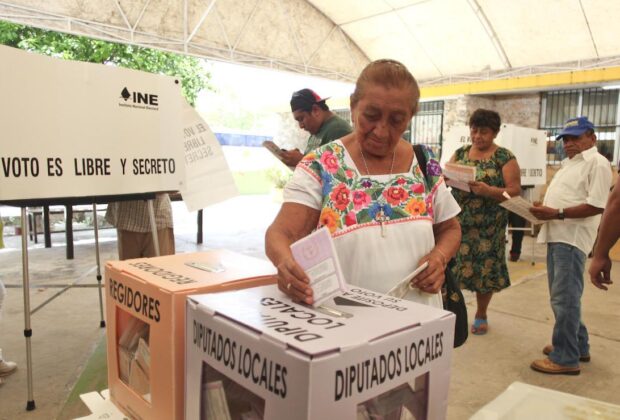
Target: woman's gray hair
<point x="388" y="73"/>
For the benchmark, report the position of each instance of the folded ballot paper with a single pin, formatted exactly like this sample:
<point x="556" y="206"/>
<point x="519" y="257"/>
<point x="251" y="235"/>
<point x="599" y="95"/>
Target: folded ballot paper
<point x="520" y="206"/>
<point x="316" y="254"/>
<point x="404" y="286"/>
<point x="459" y="176"/>
<point x="276" y="151"/>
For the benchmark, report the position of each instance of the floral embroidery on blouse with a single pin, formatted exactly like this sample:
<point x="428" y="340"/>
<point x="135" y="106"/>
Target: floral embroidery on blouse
<point x="352" y="200"/>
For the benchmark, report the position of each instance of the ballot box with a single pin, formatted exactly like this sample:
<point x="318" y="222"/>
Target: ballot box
<point x="145" y="308"/>
<point x="255" y="354"/>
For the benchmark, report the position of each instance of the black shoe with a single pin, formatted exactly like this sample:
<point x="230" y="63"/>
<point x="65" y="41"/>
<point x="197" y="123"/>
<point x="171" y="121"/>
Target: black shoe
<point x="514" y="256"/>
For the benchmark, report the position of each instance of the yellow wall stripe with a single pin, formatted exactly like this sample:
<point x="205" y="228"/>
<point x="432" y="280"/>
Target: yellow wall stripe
<point x="532" y="82"/>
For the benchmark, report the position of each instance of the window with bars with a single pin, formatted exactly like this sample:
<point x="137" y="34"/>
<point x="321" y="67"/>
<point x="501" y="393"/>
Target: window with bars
<point x="343" y="113"/>
<point x="426" y="127"/>
<point x="600" y="106"/>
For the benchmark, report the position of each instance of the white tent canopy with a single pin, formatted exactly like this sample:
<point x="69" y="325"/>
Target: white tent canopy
<point x="441" y="41"/>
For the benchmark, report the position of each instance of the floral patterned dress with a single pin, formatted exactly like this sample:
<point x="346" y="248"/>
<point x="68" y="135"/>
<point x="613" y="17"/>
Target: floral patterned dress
<point x="481" y="259"/>
<point x="381" y="224"/>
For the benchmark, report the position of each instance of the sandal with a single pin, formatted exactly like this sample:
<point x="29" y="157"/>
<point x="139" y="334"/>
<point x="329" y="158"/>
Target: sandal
<point x="480" y="326"/>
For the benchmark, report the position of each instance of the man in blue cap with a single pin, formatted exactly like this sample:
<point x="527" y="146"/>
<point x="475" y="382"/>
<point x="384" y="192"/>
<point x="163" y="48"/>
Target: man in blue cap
<point x="572" y="207"/>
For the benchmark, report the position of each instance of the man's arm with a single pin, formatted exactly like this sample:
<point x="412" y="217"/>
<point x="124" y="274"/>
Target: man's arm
<point x="577" y="212"/>
<point x="608" y="234"/>
<point x="291" y="157"/>
<point x="609" y="231"/>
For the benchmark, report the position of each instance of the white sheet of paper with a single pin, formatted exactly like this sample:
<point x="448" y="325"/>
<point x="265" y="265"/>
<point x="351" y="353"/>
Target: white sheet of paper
<point x="458" y="184"/>
<point x="403" y="286"/>
<point x="458" y="172"/>
<point x="520" y="206"/>
<point x="276" y="151"/>
<point x="459" y="176"/>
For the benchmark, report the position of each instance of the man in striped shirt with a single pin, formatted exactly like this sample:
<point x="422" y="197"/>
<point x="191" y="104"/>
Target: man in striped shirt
<point x="131" y="219"/>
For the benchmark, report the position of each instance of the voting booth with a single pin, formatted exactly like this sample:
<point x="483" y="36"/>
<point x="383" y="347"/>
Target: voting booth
<point x="81" y="129"/>
<point x="83" y="133"/>
<point x="254" y="354"/>
<point x="527" y="144"/>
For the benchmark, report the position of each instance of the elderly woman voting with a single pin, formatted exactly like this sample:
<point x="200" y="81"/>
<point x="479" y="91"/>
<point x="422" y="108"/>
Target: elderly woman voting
<point x="385" y="217"/>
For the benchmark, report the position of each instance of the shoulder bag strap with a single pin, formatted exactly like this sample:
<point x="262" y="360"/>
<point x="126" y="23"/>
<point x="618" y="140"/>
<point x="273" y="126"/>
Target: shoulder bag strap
<point x="421" y="157"/>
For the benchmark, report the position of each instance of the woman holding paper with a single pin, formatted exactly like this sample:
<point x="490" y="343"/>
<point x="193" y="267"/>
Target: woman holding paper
<point x="481" y="261"/>
<point x="368" y="190"/>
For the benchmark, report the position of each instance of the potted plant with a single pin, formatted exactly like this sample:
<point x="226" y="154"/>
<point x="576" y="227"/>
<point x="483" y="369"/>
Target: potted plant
<point x="278" y="178"/>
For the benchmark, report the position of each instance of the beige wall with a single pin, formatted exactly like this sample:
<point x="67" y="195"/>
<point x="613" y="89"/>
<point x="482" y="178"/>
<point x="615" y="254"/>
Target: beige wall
<point x="522" y="110"/>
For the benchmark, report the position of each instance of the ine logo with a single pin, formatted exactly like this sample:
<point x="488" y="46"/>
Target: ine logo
<point x="139" y="99"/>
<point x="125" y="94"/>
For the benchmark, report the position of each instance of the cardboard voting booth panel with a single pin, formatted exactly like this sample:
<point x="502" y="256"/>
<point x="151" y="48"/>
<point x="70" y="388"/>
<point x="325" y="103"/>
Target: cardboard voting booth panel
<point x="208" y="178"/>
<point x="254" y="354"/>
<point x="145" y="308"/>
<point x="75" y="129"/>
<point x="524" y="401"/>
<point x="527" y="144"/>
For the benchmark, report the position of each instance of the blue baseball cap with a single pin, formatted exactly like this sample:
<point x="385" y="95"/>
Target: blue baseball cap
<point x="575" y="127"/>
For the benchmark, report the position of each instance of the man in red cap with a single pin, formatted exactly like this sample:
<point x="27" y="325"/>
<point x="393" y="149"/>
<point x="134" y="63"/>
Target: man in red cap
<point x="313" y="115"/>
<point x="572" y="208"/>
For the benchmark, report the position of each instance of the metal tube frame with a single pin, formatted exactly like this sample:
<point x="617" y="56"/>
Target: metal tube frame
<point x="30" y="405"/>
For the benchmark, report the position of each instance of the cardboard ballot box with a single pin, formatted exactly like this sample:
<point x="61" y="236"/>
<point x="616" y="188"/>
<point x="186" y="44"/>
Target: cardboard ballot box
<point x="145" y="308"/>
<point x="254" y="354"/>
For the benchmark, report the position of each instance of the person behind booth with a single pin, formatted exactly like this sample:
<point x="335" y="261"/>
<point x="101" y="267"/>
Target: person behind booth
<point x="6" y="367"/>
<point x="313" y="115"/>
<point x="369" y="191"/>
<point x="572" y="207"/>
<point x="481" y="262"/>
<point x="517" y="222"/>
<point x="1" y="233"/>
<point x="133" y="227"/>
<point x="609" y="232"/>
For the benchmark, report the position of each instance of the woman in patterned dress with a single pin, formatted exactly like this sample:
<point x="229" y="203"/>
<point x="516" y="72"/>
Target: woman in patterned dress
<point x="368" y="190"/>
<point x="481" y="261"/>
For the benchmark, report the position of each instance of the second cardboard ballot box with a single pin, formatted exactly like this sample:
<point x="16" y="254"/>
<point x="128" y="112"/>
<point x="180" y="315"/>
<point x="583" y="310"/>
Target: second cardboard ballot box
<point x="145" y="307"/>
<point x="254" y="354"/>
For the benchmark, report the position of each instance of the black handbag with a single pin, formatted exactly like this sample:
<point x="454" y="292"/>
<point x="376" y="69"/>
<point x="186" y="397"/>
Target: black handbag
<point x="451" y="294"/>
<point x="454" y="302"/>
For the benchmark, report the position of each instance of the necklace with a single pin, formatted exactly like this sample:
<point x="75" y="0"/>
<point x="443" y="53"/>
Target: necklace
<point x="366" y="165"/>
<point x="380" y="217"/>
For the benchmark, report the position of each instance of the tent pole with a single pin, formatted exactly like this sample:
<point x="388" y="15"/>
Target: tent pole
<point x="27" y="330"/>
<point x="153" y="227"/>
<point x="96" y="225"/>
